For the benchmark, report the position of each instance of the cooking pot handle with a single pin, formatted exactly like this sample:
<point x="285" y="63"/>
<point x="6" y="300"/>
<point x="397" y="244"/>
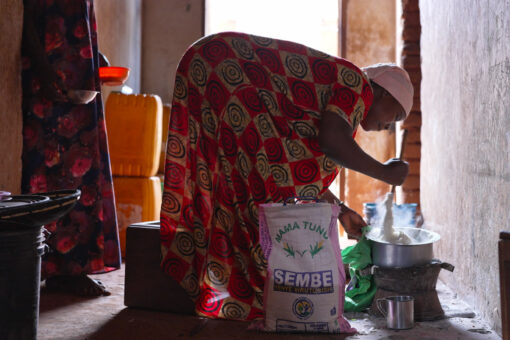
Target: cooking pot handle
<point x="447" y="266"/>
<point x="380" y="306"/>
<point x="369" y="270"/>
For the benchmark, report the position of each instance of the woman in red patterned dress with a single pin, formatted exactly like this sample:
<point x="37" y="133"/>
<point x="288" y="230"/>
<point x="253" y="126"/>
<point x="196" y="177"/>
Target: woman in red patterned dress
<point x="64" y="142"/>
<point x="257" y="120"/>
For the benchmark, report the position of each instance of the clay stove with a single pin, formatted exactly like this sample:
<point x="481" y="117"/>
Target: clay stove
<point x="418" y="281"/>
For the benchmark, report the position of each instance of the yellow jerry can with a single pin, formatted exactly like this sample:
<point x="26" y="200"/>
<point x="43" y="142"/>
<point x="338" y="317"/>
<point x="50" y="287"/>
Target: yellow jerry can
<point x="133" y="124"/>
<point x="137" y="199"/>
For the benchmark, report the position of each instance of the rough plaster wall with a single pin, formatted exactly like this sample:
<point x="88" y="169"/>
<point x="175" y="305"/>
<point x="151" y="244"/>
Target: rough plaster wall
<point x="11" y="121"/>
<point x="169" y="28"/>
<point x="465" y="166"/>
<point x="119" y="34"/>
<point x="370" y="38"/>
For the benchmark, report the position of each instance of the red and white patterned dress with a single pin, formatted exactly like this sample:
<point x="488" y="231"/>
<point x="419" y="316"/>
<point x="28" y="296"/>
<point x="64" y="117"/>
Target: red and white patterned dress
<point x="243" y="131"/>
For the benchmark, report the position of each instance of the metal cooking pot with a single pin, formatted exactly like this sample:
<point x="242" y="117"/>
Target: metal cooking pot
<point x="385" y="254"/>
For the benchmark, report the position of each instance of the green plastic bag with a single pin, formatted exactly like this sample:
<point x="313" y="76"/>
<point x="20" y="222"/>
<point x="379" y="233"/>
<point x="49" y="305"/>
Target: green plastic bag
<point x="361" y="290"/>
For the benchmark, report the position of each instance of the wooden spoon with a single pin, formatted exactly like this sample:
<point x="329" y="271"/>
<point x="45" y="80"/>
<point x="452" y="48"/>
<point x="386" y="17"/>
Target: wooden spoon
<point x="402" y="147"/>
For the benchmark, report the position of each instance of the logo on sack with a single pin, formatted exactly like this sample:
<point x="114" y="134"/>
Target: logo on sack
<point x="303" y="283"/>
<point x="313" y="249"/>
<point x="302" y="308"/>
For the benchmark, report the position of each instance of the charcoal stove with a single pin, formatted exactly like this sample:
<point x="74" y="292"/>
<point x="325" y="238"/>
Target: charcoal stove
<point x="417" y="281"/>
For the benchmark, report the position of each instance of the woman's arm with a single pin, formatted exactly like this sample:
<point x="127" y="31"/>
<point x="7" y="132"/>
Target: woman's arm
<point x="335" y="140"/>
<point x="330" y="197"/>
<point x="350" y="220"/>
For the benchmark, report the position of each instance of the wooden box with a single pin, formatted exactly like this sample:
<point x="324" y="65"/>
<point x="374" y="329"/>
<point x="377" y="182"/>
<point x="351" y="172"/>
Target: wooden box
<point x="146" y="286"/>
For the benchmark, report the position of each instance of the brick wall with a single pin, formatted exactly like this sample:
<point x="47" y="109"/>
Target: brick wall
<point x="411" y="61"/>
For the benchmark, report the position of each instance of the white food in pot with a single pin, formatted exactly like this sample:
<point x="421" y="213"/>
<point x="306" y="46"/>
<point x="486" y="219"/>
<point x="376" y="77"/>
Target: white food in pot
<point x="388" y="233"/>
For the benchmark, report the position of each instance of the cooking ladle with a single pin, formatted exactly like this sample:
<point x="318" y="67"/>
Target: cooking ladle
<point x="81" y="96"/>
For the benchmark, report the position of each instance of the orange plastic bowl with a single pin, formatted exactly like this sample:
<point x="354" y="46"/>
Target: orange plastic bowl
<point x="113" y="75"/>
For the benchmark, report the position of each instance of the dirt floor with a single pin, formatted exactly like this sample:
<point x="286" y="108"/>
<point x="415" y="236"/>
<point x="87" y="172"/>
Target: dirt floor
<point x="67" y="317"/>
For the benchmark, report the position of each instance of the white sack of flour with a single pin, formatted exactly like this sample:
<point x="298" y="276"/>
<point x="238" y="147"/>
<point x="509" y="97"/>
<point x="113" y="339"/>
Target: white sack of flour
<point x="304" y="289"/>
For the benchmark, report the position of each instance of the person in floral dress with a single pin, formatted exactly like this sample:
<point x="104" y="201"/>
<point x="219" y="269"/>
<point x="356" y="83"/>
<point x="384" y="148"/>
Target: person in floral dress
<point x="64" y="141"/>
<point x="257" y="120"/>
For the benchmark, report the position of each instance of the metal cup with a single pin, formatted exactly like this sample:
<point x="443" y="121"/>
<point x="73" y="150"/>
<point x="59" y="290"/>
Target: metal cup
<point x="398" y="310"/>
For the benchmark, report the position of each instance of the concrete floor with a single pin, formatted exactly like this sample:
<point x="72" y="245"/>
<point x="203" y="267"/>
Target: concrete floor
<point x="68" y="317"/>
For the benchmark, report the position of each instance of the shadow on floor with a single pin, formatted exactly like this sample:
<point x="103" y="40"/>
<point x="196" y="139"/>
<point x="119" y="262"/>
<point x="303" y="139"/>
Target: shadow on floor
<point x="141" y="324"/>
<point x="52" y="300"/>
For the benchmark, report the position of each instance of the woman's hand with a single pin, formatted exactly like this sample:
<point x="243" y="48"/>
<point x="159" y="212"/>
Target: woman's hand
<point x="395" y="171"/>
<point x="351" y="221"/>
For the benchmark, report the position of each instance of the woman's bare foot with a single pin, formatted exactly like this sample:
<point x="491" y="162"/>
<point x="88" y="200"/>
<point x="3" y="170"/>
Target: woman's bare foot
<point x="81" y="285"/>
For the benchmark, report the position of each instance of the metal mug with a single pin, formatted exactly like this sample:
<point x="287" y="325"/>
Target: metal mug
<point x="399" y="311"/>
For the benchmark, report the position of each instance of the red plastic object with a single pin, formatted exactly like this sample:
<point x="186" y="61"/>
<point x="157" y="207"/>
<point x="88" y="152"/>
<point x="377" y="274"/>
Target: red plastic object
<point x="113" y="75"/>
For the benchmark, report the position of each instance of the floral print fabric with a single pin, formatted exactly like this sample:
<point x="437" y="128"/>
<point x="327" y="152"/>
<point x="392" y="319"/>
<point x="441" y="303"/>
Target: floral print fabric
<point x="65" y="146"/>
<point x="243" y="131"/>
